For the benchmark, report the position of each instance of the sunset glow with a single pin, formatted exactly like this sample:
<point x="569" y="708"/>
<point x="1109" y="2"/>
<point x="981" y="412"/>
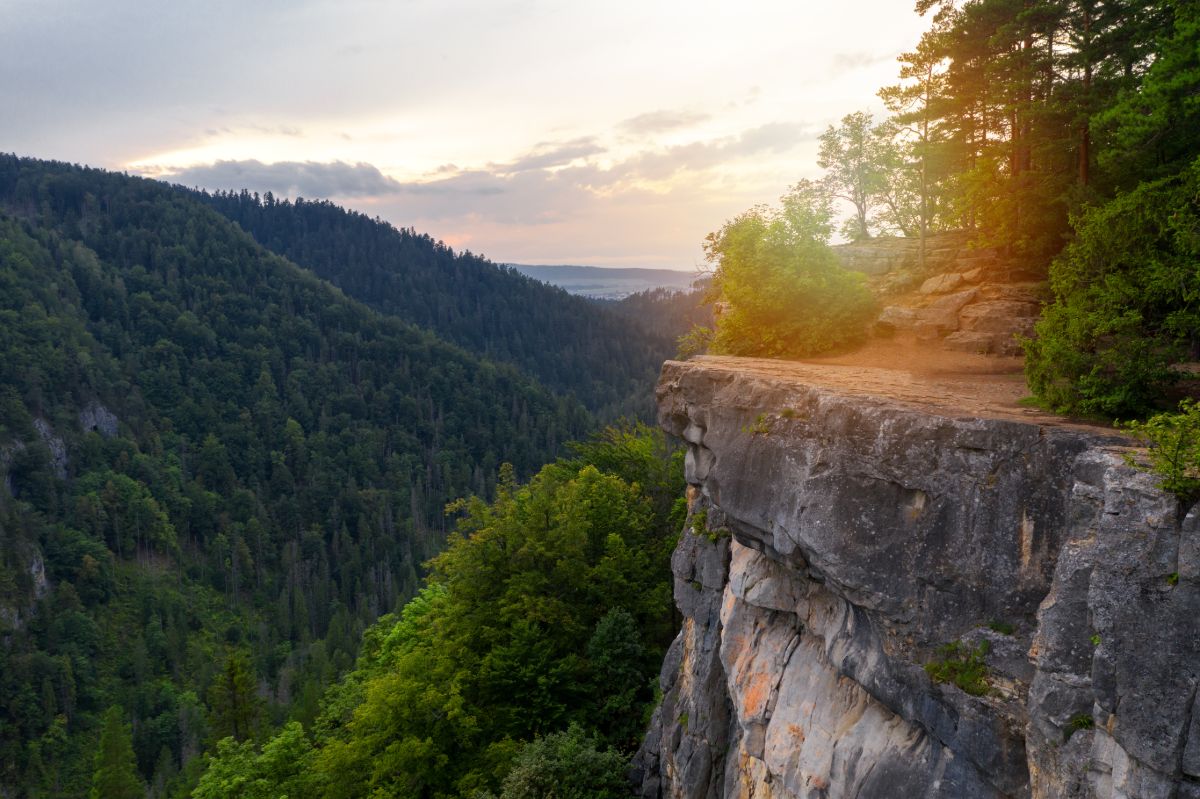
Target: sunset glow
<point x="538" y="132"/>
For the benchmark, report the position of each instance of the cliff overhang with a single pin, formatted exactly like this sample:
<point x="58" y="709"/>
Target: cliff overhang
<point x="848" y="525"/>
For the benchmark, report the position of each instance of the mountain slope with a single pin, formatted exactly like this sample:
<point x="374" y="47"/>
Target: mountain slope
<point x="567" y="343"/>
<point x="208" y="457"/>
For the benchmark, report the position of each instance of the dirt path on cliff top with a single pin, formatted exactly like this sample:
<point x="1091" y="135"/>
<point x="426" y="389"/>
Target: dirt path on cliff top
<point x="918" y="373"/>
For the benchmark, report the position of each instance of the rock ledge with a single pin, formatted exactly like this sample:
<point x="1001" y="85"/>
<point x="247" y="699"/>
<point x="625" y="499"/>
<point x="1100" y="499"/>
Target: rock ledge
<point x="856" y="522"/>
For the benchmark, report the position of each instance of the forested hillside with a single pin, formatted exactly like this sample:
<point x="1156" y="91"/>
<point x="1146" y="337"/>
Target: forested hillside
<point x="217" y="470"/>
<point x="666" y="312"/>
<point x="526" y="667"/>
<point x="567" y="343"/>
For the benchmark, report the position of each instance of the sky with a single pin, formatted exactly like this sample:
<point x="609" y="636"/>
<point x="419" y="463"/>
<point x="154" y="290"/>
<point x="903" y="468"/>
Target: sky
<point x="615" y="133"/>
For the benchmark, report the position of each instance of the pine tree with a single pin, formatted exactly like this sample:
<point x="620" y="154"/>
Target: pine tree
<point x="116" y="775"/>
<point x="232" y="698"/>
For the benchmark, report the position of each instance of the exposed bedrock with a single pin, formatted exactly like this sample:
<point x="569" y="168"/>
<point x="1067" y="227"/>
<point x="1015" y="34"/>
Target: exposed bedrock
<point x="839" y="541"/>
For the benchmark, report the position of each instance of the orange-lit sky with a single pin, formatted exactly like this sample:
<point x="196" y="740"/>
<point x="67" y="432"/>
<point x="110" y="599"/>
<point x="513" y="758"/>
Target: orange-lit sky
<point x="534" y="131"/>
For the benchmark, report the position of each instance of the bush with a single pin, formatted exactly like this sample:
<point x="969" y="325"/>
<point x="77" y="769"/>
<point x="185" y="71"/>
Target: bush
<point x="1125" y="308"/>
<point x="1174" y="454"/>
<point x="567" y="765"/>
<point x="961" y="665"/>
<point x="781" y="289"/>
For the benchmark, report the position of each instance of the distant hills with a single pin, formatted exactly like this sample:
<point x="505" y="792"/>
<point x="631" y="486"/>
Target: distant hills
<point x="608" y="284"/>
<point x="570" y="345"/>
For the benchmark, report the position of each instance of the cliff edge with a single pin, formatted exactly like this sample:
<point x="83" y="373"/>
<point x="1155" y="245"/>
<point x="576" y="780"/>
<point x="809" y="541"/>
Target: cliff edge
<point x="850" y="526"/>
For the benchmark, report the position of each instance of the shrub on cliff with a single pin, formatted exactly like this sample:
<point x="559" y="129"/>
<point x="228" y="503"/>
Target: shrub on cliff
<point x="1126" y="302"/>
<point x="780" y="289"/>
<point x="1174" y="453"/>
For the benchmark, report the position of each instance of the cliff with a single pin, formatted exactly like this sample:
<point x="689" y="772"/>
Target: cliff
<point x="847" y="525"/>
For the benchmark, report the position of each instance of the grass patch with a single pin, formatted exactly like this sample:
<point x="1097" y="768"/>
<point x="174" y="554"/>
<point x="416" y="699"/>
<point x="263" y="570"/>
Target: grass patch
<point x="1080" y="721"/>
<point x="699" y="526"/>
<point x="1002" y="627"/>
<point x="761" y="426"/>
<point x="962" y="666"/>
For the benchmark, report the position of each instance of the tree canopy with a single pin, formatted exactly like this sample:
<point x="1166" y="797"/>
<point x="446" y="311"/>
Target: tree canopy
<point x="780" y="288"/>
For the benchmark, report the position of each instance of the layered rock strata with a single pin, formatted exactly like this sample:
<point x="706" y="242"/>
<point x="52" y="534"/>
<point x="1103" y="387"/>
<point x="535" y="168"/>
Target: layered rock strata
<point x="841" y="537"/>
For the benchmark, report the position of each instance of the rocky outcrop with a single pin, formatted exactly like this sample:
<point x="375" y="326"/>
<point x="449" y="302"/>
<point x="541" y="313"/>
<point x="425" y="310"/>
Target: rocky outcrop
<point x="54" y="445"/>
<point x="968" y="299"/>
<point x="840" y="538"/>
<point x="95" y="417"/>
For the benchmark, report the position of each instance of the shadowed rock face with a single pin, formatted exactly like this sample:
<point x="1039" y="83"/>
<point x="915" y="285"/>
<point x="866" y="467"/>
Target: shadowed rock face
<point x="844" y="539"/>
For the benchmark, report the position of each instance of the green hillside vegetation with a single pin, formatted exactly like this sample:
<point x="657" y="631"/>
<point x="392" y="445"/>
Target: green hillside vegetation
<point x="570" y="345"/>
<point x="530" y="654"/>
<point x="274" y="475"/>
<point x="666" y="312"/>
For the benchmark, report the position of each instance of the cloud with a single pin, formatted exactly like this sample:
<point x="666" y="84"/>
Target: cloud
<point x="549" y="183"/>
<point x="291" y="178"/>
<point x="662" y="121"/>
<point x="771" y="138"/>
<point x="545" y="155"/>
<point x="844" y="62"/>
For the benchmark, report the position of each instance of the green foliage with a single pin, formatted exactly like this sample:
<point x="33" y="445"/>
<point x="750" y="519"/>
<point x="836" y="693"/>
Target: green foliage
<point x="699" y="526"/>
<point x="1007" y="111"/>
<point x="550" y="607"/>
<point x="1080" y="721"/>
<point x="616" y="661"/>
<point x="961" y="665"/>
<point x="858" y="158"/>
<point x="1002" y="627"/>
<point x="1150" y="130"/>
<point x="761" y="426"/>
<point x="280" y="769"/>
<point x="781" y="289"/>
<point x="666" y="312"/>
<point x="567" y="765"/>
<point x="696" y="341"/>
<point x="1174" y="453"/>
<point x="1125" y="307"/>
<point x="116" y="775"/>
<point x="235" y="705"/>
<point x="273" y="477"/>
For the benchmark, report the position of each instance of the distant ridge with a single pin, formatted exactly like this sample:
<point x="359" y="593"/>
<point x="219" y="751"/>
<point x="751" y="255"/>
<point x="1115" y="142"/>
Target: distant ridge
<point x="609" y="284"/>
<point x="569" y="344"/>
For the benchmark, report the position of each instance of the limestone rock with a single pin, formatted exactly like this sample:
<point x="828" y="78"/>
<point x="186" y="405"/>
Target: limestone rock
<point x="894" y="318"/>
<point x="964" y="341"/>
<point x="54" y="443"/>
<point x="997" y="316"/>
<point x="1034" y="293"/>
<point x="95" y="417"/>
<point x="941" y="284"/>
<point x="866" y="533"/>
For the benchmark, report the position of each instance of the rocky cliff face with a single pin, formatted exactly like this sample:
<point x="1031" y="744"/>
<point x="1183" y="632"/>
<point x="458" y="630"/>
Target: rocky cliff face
<point x="840" y="538"/>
